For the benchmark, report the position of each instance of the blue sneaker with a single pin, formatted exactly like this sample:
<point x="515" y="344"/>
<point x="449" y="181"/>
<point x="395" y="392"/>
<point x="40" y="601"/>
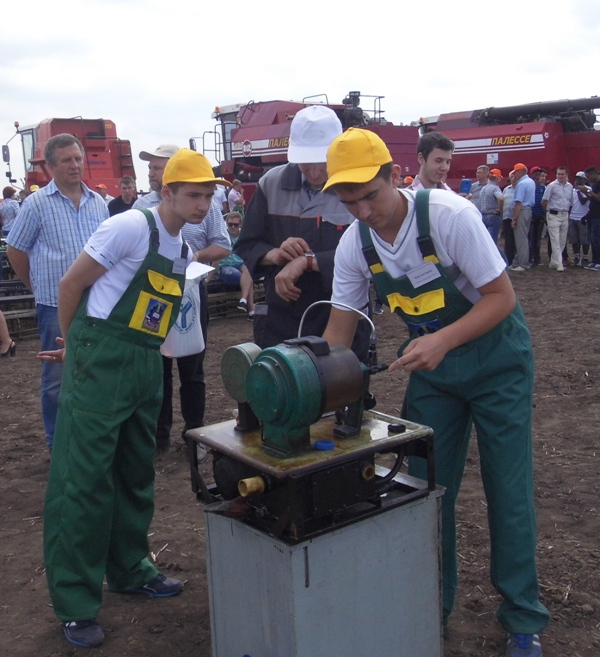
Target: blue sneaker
<point x="524" y="645"/>
<point x="160" y="587"/>
<point x="86" y="633"/>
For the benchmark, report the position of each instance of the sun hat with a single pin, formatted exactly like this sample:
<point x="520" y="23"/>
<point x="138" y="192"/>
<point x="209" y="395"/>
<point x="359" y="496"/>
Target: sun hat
<point x="164" y="150"/>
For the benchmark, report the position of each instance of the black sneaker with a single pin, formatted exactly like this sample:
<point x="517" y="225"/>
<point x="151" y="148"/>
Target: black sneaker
<point x="243" y="306"/>
<point x="161" y="587"/>
<point x="85" y="633"/>
<point x="378" y="310"/>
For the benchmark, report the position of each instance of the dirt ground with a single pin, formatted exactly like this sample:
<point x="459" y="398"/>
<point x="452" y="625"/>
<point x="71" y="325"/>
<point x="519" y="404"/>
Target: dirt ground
<point x="563" y="317"/>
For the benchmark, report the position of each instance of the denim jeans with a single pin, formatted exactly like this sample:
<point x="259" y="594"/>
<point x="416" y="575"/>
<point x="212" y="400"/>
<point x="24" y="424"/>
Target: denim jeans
<point x="230" y="275"/>
<point x="49" y="329"/>
<point x="492" y="222"/>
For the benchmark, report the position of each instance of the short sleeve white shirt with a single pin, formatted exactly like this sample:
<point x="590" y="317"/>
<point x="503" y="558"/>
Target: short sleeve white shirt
<point x="461" y="242"/>
<point x="121" y="244"/>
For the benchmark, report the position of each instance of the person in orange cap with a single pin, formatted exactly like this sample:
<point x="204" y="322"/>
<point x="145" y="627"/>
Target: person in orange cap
<point x="521" y="219"/>
<point x="491" y="203"/>
<point x="101" y="189"/>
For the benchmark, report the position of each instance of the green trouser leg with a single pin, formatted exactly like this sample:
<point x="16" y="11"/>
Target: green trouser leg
<point x="104" y="437"/>
<point x="488" y="381"/>
<point x="443" y="413"/>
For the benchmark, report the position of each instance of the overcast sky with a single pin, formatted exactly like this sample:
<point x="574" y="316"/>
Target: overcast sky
<point x="157" y="69"/>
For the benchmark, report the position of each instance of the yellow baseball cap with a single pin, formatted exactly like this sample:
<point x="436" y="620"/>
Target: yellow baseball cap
<point x="355" y="157"/>
<point x="187" y="166"/>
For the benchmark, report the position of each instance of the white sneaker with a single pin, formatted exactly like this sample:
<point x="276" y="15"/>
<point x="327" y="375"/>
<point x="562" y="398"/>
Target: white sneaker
<point x="201" y="453"/>
<point x="517" y="268"/>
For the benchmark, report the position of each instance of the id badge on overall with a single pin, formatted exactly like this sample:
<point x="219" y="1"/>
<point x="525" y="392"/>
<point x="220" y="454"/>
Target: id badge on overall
<point x="179" y="265"/>
<point x="415" y="309"/>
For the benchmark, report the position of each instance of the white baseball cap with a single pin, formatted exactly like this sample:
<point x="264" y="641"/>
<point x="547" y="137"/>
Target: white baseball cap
<point x="311" y="133"/>
<point x="164" y="150"/>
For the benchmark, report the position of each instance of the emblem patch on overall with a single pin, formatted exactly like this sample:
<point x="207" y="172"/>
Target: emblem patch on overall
<point x="151" y="315"/>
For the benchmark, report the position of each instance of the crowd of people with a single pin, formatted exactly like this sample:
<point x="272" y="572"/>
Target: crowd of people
<point x="108" y="277"/>
<point x="528" y="208"/>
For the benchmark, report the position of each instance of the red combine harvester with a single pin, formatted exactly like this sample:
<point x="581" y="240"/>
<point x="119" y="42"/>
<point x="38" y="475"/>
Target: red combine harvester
<point x="107" y="158"/>
<point x="547" y="134"/>
<point x="253" y="138"/>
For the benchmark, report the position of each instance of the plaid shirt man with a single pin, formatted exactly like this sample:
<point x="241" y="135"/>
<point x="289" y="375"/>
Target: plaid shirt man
<point x="53" y="232"/>
<point x="489" y="197"/>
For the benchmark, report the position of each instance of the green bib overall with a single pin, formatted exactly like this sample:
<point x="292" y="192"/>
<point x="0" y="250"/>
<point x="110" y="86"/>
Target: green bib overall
<point x="100" y="497"/>
<point x="487" y="382"/>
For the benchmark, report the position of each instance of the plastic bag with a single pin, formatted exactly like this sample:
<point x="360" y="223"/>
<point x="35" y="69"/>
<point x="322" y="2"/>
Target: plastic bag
<point x="185" y="337"/>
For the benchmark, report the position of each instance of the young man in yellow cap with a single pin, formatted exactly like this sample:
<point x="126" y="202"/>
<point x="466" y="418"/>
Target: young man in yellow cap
<point x="469" y="355"/>
<point x="116" y="304"/>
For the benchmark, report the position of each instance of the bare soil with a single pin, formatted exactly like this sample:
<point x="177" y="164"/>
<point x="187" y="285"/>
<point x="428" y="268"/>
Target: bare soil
<point x="563" y="313"/>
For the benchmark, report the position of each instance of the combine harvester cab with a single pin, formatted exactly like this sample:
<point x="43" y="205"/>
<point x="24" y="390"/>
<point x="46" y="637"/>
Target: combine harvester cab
<point x="107" y="158"/>
<point x="252" y="138"/>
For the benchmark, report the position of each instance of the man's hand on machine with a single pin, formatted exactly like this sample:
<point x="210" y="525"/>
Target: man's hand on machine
<point x="424" y="353"/>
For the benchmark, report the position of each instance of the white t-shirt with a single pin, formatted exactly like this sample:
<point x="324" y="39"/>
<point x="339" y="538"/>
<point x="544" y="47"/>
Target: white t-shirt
<point x="233" y="199"/>
<point x="220" y="196"/>
<point x="460" y="238"/>
<point x="579" y="209"/>
<point x="120" y="244"/>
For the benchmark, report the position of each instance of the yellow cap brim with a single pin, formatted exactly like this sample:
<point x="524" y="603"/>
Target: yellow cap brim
<point x="359" y="175"/>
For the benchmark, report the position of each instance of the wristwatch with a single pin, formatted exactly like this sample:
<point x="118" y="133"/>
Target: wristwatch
<point x="309" y="255"/>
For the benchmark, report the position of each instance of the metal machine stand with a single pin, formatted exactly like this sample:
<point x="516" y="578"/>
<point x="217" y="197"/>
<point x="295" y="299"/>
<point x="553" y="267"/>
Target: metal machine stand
<point x="334" y="556"/>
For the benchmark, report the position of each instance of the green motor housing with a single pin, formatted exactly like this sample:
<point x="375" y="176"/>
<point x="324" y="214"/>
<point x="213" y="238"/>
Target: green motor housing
<point x="290" y="386"/>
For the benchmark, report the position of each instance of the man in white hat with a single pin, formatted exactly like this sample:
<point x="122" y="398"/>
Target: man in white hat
<point x="291" y="230"/>
<point x="157" y="161"/>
